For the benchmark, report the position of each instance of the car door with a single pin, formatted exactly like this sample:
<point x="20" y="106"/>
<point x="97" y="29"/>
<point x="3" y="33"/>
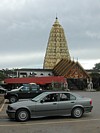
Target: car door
<point x="66" y="103"/>
<point x="47" y="107"/>
<point x="34" y="90"/>
<point x="24" y="92"/>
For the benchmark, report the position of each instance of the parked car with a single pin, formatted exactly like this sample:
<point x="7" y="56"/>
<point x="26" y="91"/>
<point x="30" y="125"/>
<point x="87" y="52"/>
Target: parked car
<point x="2" y="90"/>
<point x="23" y="92"/>
<point x="59" y="103"/>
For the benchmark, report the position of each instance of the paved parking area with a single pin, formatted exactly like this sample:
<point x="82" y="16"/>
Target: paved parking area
<point x="88" y="123"/>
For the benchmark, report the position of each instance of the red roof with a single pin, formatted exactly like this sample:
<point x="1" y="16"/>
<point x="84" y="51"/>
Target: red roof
<point x="37" y="80"/>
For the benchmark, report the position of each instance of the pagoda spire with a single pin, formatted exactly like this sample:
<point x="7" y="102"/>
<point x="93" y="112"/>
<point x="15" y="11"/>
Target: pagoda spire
<point x="56" y="16"/>
<point x="57" y="48"/>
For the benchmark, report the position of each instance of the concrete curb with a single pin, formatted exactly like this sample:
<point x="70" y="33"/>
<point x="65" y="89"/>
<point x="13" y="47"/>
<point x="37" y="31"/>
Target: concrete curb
<point x="1" y="99"/>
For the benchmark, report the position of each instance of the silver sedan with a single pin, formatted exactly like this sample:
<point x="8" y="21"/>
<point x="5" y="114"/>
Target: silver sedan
<point x="59" y="103"/>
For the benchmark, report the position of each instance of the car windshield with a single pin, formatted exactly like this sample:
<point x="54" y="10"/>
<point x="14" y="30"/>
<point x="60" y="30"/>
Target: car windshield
<point x="39" y="97"/>
<point x="21" y="87"/>
<point x="24" y="88"/>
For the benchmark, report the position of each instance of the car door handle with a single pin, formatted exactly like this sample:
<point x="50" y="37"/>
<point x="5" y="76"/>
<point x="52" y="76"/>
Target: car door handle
<point x="72" y="102"/>
<point x="54" y="103"/>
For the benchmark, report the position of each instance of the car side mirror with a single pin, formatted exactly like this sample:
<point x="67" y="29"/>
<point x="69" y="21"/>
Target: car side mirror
<point x="42" y="101"/>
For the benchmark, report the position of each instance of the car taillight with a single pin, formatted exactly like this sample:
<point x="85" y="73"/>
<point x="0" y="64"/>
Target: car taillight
<point x="90" y="102"/>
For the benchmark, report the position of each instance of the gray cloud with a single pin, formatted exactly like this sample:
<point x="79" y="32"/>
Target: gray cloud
<point x="25" y="26"/>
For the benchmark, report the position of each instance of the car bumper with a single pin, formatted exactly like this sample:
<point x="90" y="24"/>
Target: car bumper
<point x="11" y="114"/>
<point x="88" y="109"/>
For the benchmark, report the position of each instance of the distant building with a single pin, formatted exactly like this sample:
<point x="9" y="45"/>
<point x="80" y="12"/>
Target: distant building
<point x="26" y="72"/>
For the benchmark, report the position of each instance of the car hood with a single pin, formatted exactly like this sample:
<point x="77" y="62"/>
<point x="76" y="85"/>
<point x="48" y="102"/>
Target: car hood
<point x="2" y="89"/>
<point x="14" y="90"/>
<point x="24" y="103"/>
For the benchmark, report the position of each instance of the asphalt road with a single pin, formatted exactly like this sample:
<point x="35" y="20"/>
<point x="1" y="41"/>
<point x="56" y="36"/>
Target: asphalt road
<point x="88" y="123"/>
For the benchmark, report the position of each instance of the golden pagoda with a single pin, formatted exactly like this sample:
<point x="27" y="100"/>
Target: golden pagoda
<point x="57" y="47"/>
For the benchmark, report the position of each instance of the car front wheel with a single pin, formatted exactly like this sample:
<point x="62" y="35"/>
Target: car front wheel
<point x="22" y="115"/>
<point x="13" y="99"/>
<point x="77" y="112"/>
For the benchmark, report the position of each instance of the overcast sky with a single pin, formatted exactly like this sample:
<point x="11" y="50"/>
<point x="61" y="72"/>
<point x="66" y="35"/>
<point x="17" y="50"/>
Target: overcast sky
<point x="25" y="27"/>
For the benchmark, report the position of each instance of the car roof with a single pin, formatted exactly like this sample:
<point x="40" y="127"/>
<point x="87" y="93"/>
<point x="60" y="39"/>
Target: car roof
<point x="51" y="92"/>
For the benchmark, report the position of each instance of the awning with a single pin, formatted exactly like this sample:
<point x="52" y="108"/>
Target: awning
<point x="37" y="80"/>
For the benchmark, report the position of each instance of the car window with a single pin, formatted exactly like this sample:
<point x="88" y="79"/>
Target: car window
<point x="50" y="98"/>
<point x="25" y="88"/>
<point x="72" y="97"/>
<point x="64" y="97"/>
<point x="34" y="87"/>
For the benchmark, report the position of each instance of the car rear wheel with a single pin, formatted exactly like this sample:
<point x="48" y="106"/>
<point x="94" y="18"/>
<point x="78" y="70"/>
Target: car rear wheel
<point x="77" y="112"/>
<point x="13" y="99"/>
<point x="22" y="115"/>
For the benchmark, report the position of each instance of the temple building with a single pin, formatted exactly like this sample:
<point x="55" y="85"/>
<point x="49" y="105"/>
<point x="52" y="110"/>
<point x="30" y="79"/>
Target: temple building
<point x="57" y="47"/>
<point x="57" y="58"/>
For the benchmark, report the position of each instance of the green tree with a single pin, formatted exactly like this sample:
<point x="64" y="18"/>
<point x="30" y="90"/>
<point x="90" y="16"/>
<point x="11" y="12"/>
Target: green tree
<point x="96" y="80"/>
<point x="97" y="66"/>
<point x="2" y="76"/>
